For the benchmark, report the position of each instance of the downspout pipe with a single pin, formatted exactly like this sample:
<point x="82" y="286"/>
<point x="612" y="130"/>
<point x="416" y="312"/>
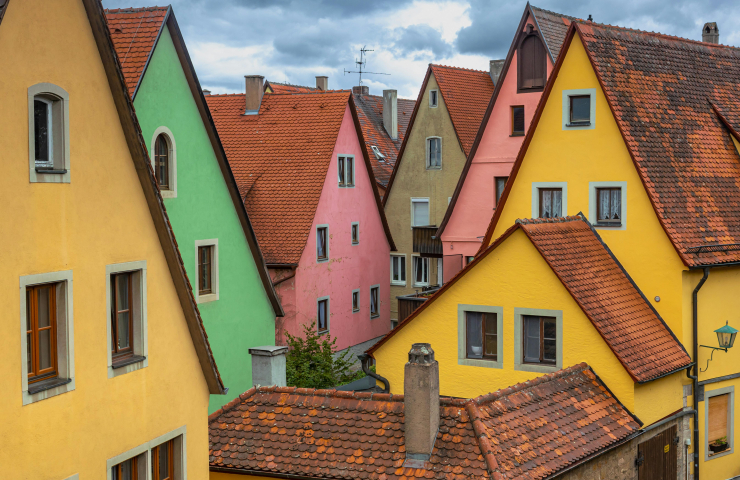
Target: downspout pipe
<point x="364" y="361"/>
<point x="695" y="376"/>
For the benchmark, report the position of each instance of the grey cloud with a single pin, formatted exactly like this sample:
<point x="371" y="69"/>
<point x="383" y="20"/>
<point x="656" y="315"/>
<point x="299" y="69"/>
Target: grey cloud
<point x="422" y="37"/>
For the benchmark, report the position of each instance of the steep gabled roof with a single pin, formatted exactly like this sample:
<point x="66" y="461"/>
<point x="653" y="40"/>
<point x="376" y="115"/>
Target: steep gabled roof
<point x="530" y="431"/>
<point x="370" y="112"/>
<point x="598" y="283"/>
<point x="671" y="99"/>
<point x="288" y="88"/>
<point x="466" y="93"/>
<point x="280" y="158"/>
<point x="140" y="157"/>
<point x="125" y="41"/>
<point x="553" y="28"/>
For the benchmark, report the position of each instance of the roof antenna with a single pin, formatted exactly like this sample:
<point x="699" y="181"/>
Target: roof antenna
<point x="361" y="63"/>
<point x="590" y="19"/>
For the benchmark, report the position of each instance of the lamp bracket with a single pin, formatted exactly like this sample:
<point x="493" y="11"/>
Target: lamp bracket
<point x="711" y="356"/>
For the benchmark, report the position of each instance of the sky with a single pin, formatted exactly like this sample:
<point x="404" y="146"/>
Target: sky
<point x="291" y="41"/>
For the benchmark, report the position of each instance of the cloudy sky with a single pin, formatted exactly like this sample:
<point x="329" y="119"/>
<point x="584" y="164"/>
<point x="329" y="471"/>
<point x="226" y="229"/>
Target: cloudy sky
<point x="295" y="40"/>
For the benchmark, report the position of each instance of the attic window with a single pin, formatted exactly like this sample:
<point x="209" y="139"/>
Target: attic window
<point x="532" y="62"/>
<point x="377" y="153"/>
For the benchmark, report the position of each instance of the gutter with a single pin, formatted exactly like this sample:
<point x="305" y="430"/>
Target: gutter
<point x="365" y="360"/>
<point x="669" y="419"/>
<point x="695" y="376"/>
<point x="259" y="473"/>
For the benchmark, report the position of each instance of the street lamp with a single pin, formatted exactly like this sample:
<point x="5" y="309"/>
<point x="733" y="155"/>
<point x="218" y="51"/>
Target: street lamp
<point x="725" y="337"/>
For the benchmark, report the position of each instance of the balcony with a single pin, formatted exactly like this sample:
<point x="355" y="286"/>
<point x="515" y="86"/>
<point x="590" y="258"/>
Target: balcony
<point x="425" y="243"/>
<point x="408" y="303"/>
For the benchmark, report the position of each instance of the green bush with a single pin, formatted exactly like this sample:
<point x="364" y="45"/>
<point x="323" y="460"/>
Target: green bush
<point x="310" y="361"/>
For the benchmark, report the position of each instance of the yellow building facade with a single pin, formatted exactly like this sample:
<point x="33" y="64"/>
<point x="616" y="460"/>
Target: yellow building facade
<point x="106" y="368"/>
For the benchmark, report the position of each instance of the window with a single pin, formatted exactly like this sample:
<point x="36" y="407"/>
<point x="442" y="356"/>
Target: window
<point x="421" y="271"/>
<point x="126" y="301"/>
<point x="540" y="340"/>
<point x="322" y="315"/>
<point x="551" y="202"/>
<point x="434" y="152"/>
<point x="162" y="458"/>
<point x="322" y="243"/>
<point x="206" y="267"/>
<point x="162" y="162"/>
<point x="122" y="326"/>
<point x="719" y="422"/>
<point x="469" y="260"/>
<point x="517" y="121"/>
<point x="129" y="469"/>
<point x="374" y="293"/>
<point x="355" y="301"/>
<point x="532" y="62"/>
<point x="376" y="151"/>
<point x="398" y="270"/>
<point x="205" y="255"/>
<point x="482" y="335"/>
<point x="433" y="98"/>
<point x="580" y="109"/>
<point x="609" y="205"/>
<point x="48" y="127"/>
<point x="346" y="171"/>
<point x="419" y="212"/>
<point x="500" y="184"/>
<point x="41" y="338"/>
<point x="355" y="233"/>
<point x="163" y="461"/>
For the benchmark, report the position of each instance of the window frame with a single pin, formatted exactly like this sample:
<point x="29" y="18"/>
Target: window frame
<point x="342" y="170"/>
<point x="462" y="340"/>
<point x="413" y="269"/>
<point x="541" y="360"/>
<point x="139" y="340"/>
<point x="428" y="159"/>
<point x="127" y="352"/>
<point x="498" y="193"/>
<point x="376" y="151"/>
<point x="171" y="191"/>
<point x="144" y="453"/>
<point x="536" y="186"/>
<point x="154" y="455"/>
<point x="402" y="261"/>
<point x="593" y="204"/>
<point x="377" y="301"/>
<point x="58" y="98"/>
<point x="519" y="363"/>
<point x="356" y="296"/>
<point x="325" y="258"/>
<point x="541" y="192"/>
<point x="514" y="132"/>
<point x="730" y="421"/>
<point x="435" y="103"/>
<point x="214" y="295"/>
<point x="328" y="315"/>
<point x="567" y="94"/>
<point x="52" y="371"/>
<point x="429" y="210"/>
<point x="355" y="241"/>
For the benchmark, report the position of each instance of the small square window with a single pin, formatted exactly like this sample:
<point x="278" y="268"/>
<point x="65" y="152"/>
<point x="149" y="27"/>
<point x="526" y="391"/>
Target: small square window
<point x="540" y="339"/>
<point x="500" y="184"/>
<point x="433" y="98"/>
<point x="580" y="109"/>
<point x="355" y="301"/>
<point x="355" y="233"/>
<point x="481" y="335"/>
<point x="398" y="269"/>
<point x="609" y="210"/>
<point x="517" y="121"/>
<point x="322" y="315"/>
<point x="346" y="171"/>
<point x="434" y="152"/>
<point x="551" y="202"/>
<point x="374" y="301"/>
<point x="419" y="212"/>
<point x="421" y="271"/>
<point x="322" y="243"/>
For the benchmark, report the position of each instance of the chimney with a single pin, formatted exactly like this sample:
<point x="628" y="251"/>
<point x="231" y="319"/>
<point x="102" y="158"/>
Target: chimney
<point x="390" y="112"/>
<point x="361" y="90"/>
<point x="322" y="83"/>
<point x="710" y="33"/>
<point x="495" y="68"/>
<point x="421" y="404"/>
<point x="206" y="91"/>
<point x="254" y="88"/>
<point x="268" y="365"/>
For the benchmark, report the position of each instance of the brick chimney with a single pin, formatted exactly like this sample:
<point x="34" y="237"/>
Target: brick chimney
<point x="390" y="112"/>
<point x="361" y="90"/>
<point x="495" y="67"/>
<point x="268" y="365"/>
<point x="322" y="83"/>
<point x="710" y="33"/>
<point x="421" y="404"/>
<point x="254" y="89"/>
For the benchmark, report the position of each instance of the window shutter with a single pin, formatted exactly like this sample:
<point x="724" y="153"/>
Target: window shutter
<point x="718" y="417"/>
<point x="531" y="339"/>
<point x="532" y="61"/>
<point x="421" y="214"/>
<point x="526" y="59"/>
<point x="539" y="65"/>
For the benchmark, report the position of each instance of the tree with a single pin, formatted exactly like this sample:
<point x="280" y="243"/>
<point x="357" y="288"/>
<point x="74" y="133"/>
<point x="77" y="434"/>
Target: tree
<point x="311" y="362"/>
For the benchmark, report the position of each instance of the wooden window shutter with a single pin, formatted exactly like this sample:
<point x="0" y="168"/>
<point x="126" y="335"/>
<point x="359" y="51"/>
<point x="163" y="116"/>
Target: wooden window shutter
<point x="539" y="64"/>
<point x="532" y="60"/>
<point x="718" y="417"/>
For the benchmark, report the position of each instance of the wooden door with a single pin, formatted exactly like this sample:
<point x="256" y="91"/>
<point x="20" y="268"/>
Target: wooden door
<point x="657" y="458"/>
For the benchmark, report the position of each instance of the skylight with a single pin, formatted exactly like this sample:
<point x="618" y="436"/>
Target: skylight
<point x="377" y="153"/>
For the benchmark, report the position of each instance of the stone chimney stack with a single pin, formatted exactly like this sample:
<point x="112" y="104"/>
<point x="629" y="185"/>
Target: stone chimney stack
<point x="495" y="68"/>
<point x="268" y="365"/>
<point x="361" y="90"/>
<point x="322" y="83"/>
<point x="421" y="403"/>
<point x="206" y="91"/>
<point x="254" y="88"/>
<point x="390" y="112"/>
<point x="710" y="33"/>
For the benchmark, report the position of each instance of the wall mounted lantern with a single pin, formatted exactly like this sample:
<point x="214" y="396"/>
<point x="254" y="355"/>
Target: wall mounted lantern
<point x="726" y="339"/>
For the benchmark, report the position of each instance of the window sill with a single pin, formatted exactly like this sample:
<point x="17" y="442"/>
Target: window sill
<point x="421" y="285"/>
<point x="127" y="361"/>
<point x="434" y="168"/>
<point x="583" y="124"/>
<point x="517" y="135"/>
<point x="207" y="297"/>
<point x="480" y="362"/>
<point x="47" y="385"/>
<point x="354" y="244"/>
<point x="322" y="260"/>
<point x="374" y="316"/>
<point x="398" y="284"/>
<point x="323" y="332"/>
<point x="712" y="456"/>
<point x="51" y="171"/>
<point x="604" y="224"/>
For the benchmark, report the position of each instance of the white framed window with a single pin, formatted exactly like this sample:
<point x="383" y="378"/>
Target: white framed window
<point x="323" y="315"/>
<point x="355" y="300"/>
<point x="48" y="134"/>
<point x="433" y="98"/>
<point x="126" y="320"/>
<point x="355" y="233"/>
<point x="607" y="205"/>
<point x="206" y="268"/>
<point x="420" y="271"/>
<point x="163" y="457"/>
<point x="538" y="340"/>
<point x="47" y="335"/>
<point x="419" y="212"/>
<point x="377" y="152"/>
<point x="719" y="421"/>
<point x="549" y="199"/>
<point x="322" y="243"/>
<point x="480" y="334"/>
<point x="434" y="152"/>
<point x="346" y="170"/>
<point x="579" y="109"/>
<point x="398" y="269"/>
<point x="164" y="161"/>
<point x="375" y="301"/>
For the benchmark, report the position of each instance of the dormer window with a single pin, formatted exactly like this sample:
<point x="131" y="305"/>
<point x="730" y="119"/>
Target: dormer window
<point x="532" y="62"/>
<point x="377" y="153"/>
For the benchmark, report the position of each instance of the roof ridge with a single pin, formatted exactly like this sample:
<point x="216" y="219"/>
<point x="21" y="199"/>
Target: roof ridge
<point x="315" y="92"/>
<point x="554" y="13"/>
<point x="505" y="392"/>
<point x="535" y="221"/>
<point x="333" y="393"/>
<point x="438" y="65"/>
<point x="133" y="9"/>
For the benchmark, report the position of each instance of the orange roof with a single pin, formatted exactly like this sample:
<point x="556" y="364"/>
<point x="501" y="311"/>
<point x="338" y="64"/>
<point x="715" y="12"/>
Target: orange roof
<point x="288" y="88"/>
<point x="531" y="431"/>
<point x="280" y="159"/>
<point x="596" y="280"/>
<point x="135" y="32"/>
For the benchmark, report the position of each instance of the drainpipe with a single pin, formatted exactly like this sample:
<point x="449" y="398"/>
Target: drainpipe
<point x="364" y="361"/>
<point x="695" y="376"/>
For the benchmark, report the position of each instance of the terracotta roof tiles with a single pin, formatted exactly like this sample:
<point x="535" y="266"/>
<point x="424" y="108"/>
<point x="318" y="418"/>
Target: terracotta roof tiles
<point x="554" y="27"/>
<point x="288" y="88"/>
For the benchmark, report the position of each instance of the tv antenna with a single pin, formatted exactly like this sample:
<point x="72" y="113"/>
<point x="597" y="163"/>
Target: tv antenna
<point x="361" y="63"/>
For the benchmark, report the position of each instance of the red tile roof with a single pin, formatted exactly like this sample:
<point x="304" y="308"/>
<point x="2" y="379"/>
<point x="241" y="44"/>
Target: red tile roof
<point x="529" y="431"/>
<point x="288" y="88"/>
<point x="135" y="32"/>
<point x="280" y="159"/>
<point x="370" y="113"/>
<point x="554" y="27"/>
<point x="596" y="280"/>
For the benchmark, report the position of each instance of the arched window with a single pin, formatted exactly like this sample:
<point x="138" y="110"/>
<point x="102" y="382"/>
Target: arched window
<point x="48" y="128"/>
<point x="532" y="61"/>
<point x="162" y="162"/>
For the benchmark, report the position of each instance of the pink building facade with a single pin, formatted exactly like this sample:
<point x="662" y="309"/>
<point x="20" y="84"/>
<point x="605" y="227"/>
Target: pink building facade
<point x="518" y="89"/>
